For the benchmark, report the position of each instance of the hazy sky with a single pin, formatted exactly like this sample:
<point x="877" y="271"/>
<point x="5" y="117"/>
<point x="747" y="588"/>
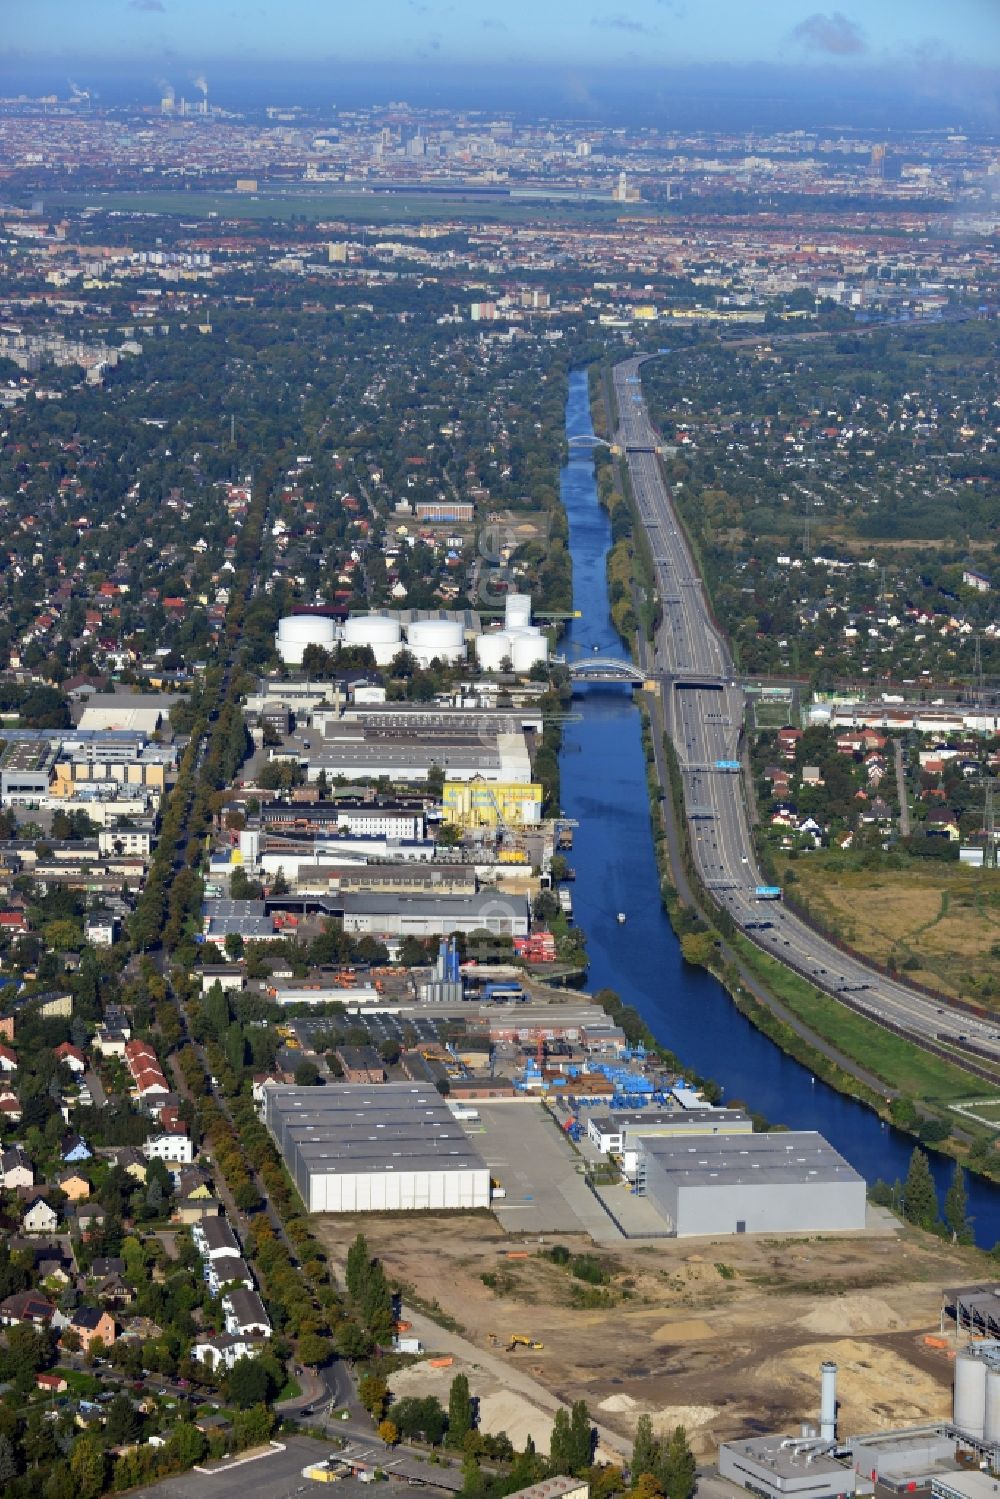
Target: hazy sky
<point x="793" y="33"/>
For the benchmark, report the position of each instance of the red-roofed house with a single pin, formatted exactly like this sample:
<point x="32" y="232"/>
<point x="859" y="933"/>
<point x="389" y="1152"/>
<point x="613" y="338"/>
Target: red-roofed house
<point x="72" y="1056"/>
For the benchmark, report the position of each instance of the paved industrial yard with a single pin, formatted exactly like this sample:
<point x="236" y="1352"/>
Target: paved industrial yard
<point x="538" y="1168"/>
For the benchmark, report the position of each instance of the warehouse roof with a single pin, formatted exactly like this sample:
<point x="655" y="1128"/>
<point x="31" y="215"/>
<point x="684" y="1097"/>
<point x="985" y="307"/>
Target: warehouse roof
<point x="775" y="1159"/>
<point x="377" y="902"/>
<point x="359" y="1127"/>
<point x="613" y="1124"/>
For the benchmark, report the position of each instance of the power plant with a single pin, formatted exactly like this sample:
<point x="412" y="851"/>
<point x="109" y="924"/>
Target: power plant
<point x="954" y="1459"/>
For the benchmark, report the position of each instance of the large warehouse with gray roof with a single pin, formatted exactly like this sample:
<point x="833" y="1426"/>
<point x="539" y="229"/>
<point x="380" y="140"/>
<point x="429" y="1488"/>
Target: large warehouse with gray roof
<point x="780" y="1182"/>
<point x="375" y="1148"/>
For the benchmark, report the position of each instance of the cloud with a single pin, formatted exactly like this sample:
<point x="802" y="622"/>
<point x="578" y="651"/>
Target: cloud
<point x="493" y="23"/>
<point x="833" y="34"/>
<point x="620" y="22"/>
<point x="146" y="5"/>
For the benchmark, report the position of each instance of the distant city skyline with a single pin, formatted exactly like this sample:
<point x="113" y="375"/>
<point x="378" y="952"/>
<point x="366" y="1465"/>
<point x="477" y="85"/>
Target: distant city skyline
<point x="180" y="35"/>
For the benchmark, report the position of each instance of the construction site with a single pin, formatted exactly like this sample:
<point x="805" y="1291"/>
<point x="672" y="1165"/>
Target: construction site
<point x="724" y="1337"/>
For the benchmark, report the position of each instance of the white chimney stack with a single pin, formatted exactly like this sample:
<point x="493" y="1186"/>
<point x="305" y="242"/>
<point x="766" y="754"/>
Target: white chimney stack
<point x="828" y="1402"/>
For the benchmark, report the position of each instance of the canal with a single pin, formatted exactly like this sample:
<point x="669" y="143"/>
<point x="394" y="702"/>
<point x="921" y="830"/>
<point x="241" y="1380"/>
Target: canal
<point x="603" y="775"/>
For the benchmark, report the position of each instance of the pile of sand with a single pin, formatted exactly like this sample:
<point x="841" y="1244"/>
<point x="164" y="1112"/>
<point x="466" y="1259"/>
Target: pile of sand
<point x="619" y="1405"/>
<point x="844" y="1314"/>
<point x="691" y="1417"/>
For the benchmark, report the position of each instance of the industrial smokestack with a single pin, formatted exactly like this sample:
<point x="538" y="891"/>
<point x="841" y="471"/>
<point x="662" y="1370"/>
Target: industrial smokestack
<point x="828" y="1402"/>
<point x="201" y="82"/>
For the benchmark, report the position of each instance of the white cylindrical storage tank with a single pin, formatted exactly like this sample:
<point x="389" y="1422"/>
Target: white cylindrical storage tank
<point x="528" y="647"/>
<point x="443" y="639"/>
<point x="991" y="1424"/>
<point x="372" y="629"/>
<point x="380" y="632"/>
<point x="518" y="610"/>
<point x="970" y="1393"/>
<point x="296" y="631"/>
<point x="493" y="650"/>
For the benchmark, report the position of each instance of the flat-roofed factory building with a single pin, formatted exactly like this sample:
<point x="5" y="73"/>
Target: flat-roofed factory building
<point x="781" y="1182"/>
<point x="363" y="1148"/>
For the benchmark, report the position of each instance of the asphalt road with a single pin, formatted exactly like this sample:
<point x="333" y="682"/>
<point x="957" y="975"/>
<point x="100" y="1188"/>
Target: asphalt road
<point x="704" y="713"/>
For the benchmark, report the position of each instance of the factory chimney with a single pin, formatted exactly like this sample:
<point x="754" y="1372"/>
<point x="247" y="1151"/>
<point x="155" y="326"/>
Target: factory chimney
<point x="828" y="1402"/>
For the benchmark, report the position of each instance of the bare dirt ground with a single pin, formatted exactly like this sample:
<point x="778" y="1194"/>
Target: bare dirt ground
<point x="723" y="1336"/>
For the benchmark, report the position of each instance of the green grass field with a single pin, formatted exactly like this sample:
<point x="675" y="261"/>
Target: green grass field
<point x="368" y="208"/>
<point x="899" y="1062"/>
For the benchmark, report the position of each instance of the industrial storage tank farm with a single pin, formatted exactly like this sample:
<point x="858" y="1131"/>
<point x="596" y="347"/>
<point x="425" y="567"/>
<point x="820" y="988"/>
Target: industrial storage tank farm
<point x="296" y="631"/>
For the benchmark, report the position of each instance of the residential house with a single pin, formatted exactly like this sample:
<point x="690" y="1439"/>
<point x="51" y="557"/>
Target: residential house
<point x="40" y="1218"/>
<point x="74" y="1149"/>
<point x="72" y="1057"/>
<point x="99" y="928"/>
<point x="16" y="1169"/>
<point x="8" y="1059"/>
<point x="75" y="1185"/>
<point x="91" y="1323"/>
<point x="116" y="1292"/>
<point x="228" y="1270"/>
<point x="106" y="1264"/>
<point x="51" y="1384"/>
<point x="89" y="1218"/>
<point x="170" y="1147"/>
<point x="194" y="1211"/>
<point x="26" y="1309"/>
<point x="130" y="1158"/>
<point x="223" y="1351"/>
<point x="942" y="823"/>
<point x="214" y="1237"/>
<point x="10" y="1106"/>
<point x="244" y="1314"/>
<point x="109" y="1042"/>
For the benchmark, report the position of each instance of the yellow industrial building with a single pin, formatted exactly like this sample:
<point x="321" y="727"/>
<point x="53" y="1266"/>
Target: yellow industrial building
<point x="487" y="804"/>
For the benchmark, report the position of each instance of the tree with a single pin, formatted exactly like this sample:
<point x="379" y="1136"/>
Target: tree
<point x="561" y="1444"/>
<point x="313" y="1350"/>
<point x="387" y="1431"/>
<point x="88" y="1466"/>
<point x="956" y="1208"/>
<point x="460" y="1411"/>
<point x="306" y="1074"/>
<point x="919" y="1197"/>
<point x="358" y="1265"/>
<point x="645" y="1448"/>
<point x="677" y="1473"/>
<point x="373" y="1392"/>
<point x="8" y="1464"/>
<point x="123" y="1421"/>
<point x="187" y="1445"/>
<point x="581" y="1436"/>
<point x="248" y="1383"/>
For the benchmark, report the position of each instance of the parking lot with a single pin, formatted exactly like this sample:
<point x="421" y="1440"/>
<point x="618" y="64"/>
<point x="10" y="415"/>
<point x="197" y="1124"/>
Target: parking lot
<point x="380" y="1027"/>
<point x="538" y="1169"/>
<point x="276" y="1475"/>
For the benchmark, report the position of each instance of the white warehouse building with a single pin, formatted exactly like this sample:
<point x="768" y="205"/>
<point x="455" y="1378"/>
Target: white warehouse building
<point x="780" y="1182"/>
<point x="361" y="1148"/>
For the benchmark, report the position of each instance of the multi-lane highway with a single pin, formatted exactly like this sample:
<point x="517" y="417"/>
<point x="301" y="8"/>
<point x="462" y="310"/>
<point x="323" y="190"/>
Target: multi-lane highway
<point x="703" y="711"/>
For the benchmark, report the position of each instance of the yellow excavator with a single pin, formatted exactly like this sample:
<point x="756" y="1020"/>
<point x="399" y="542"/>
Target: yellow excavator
<point x="519" y="1341"/>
